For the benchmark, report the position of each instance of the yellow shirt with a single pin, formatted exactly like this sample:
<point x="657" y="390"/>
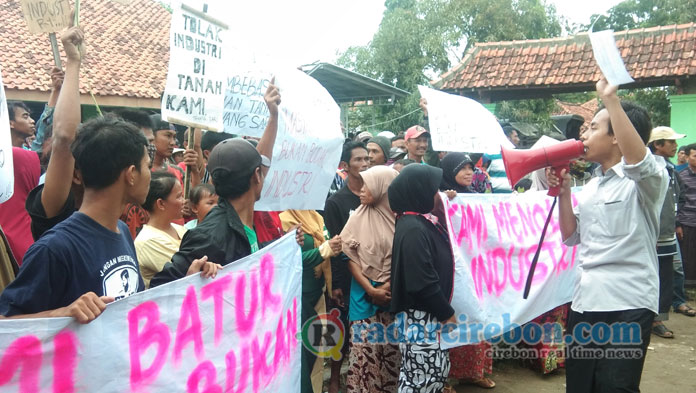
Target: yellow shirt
<point x="154" y="248"/>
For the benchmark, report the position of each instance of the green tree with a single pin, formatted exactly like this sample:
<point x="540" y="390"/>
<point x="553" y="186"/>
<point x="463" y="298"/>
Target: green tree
<point x="655" y="100"/>
<point x="634" y="14"/>
<point x="415" y="37"/>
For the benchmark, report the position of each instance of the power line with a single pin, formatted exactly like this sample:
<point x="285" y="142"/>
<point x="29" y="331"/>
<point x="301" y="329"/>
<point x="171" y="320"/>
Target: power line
<point x="396" y="118"/>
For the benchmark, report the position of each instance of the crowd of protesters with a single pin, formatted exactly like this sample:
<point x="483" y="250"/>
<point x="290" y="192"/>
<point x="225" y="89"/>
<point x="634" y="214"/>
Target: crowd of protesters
<point x="99" y="213"/>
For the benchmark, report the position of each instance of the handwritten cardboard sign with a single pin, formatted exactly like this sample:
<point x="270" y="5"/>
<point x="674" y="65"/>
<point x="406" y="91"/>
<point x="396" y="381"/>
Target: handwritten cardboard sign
<point x="195" y="87"/>
<point x="236" y="333"/>
<point x="46" y="16"/>
<point x="309" y="142"/>
<point x="461" y="124"/>
<point x="494" y="238"/>
<point x="6" y="163"/>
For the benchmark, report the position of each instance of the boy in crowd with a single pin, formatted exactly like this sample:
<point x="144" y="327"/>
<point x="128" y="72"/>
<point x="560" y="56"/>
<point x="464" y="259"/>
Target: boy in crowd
<point x="79" y="266"/>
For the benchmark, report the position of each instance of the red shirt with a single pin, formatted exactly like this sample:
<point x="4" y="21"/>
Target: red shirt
<point x="14" y="219"/>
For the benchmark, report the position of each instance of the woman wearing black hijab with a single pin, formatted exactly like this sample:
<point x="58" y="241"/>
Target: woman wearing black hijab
<point x="469" y="363"/>
<point x="461" y="175"/>
<point x="422" y="275"/>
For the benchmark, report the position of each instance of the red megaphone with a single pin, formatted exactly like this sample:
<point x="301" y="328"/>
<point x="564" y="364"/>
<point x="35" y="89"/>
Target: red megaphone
<point x="518" y="163"/>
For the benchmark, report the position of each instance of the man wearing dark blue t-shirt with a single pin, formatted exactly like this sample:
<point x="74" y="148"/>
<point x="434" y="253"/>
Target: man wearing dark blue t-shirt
<point x="89" y="259"/>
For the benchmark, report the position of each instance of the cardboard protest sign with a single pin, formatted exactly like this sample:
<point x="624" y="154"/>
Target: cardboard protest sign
<point x="236" y="333"/>
<point x="6" y="163"/>
<point x="195" y="87"/>
<point x="608" y="57"/>
<point x="461" y="124"/>
<point x="494" y="238"/>
<point x="309" y="142"/>
<point x="46" y="16"/>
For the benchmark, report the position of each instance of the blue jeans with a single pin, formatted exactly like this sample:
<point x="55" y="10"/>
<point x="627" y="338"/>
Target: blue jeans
<point x="679" y="295"/>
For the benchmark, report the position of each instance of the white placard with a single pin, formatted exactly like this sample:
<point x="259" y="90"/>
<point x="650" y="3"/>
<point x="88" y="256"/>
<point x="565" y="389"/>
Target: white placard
<point x="461" y="124"/>
<point x="608" y="57"/>
<point x="308" y="147"/>
<point x="6" y="163"/>
<point x="196" y="78"/>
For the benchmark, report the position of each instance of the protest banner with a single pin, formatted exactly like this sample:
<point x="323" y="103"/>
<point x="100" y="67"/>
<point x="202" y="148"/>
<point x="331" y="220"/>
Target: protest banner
<point x="235" y="333"/>
<point x="309" y="142"/>
<point x="6" y="163"/>
<point x="245" y="111"/>
<point x="494" y="238"/>
<point x="46" y="16"/>
<point x="461" y="124"/>
<point x="195" y="91"/>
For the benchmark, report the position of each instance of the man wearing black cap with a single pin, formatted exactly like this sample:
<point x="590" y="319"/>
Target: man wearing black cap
<point x="208" y="142"/>
<point x="237" y="170"/>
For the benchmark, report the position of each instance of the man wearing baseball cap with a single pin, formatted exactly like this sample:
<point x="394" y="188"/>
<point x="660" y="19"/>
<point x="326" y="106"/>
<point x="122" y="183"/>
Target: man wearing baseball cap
<point x="363" y="137"/>
<point x="416" y="143"/>
<point x="663" y="143"/>
<point x="238" y="170"/>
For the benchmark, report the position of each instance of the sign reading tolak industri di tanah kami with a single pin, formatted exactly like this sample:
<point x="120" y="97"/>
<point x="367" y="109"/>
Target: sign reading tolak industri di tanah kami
<point x="195" y="89"/>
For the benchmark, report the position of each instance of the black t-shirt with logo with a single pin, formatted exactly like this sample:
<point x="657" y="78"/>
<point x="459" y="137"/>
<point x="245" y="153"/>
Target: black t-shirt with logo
<point x="75" y="257"/>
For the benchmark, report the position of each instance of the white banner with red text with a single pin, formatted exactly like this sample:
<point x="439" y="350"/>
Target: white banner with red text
<point x="494" y="238"/>
<point x="235" y="333"/>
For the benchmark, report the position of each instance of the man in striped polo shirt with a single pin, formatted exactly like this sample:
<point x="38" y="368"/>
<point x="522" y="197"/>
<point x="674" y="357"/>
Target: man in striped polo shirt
<point x="496" y="169"/>
<point x="686" y="218"/>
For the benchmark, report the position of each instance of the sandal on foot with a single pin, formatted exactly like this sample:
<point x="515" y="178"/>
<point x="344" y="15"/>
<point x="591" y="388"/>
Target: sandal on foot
<point x="686" y="310"/>
<point x="662" y="331"/>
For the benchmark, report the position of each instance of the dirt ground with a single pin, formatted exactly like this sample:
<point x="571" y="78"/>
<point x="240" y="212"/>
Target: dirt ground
<point x="669" y="367"/>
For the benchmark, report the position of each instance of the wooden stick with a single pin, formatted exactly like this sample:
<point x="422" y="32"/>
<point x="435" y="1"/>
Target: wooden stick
<point x="204" y="16"/>
<point x="56" y="52"/>
<point x="76" y="22"/>
<point x="190" y="124"/>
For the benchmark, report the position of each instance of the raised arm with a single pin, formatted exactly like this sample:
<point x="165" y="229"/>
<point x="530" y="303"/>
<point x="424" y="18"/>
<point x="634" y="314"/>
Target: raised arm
<point x="630" y="143"/>
<point x="66" y="119"/>
<point x="46" y="118"/>
<point x="272" y="98"/>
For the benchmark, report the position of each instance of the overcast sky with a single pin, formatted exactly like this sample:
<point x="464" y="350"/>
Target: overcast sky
<point x="297" y="32"/>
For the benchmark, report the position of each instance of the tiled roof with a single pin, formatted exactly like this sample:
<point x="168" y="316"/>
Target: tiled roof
<point x="663" y="52"/>
<point x="586" y="110"/>
<point x="127" y="49"/>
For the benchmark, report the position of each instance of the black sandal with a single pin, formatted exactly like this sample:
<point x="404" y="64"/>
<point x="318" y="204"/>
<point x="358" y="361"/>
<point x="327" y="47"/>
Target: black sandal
<point x="662" y="331"/>
<point x="686" y="310"/>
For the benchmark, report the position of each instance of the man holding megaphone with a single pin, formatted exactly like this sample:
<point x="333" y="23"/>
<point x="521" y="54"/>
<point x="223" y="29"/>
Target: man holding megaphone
<point x="615" y="226"/>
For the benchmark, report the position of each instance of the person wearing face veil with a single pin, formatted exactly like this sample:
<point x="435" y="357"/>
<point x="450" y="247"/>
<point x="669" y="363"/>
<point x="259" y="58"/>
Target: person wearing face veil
<point x="422" y="275"/>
